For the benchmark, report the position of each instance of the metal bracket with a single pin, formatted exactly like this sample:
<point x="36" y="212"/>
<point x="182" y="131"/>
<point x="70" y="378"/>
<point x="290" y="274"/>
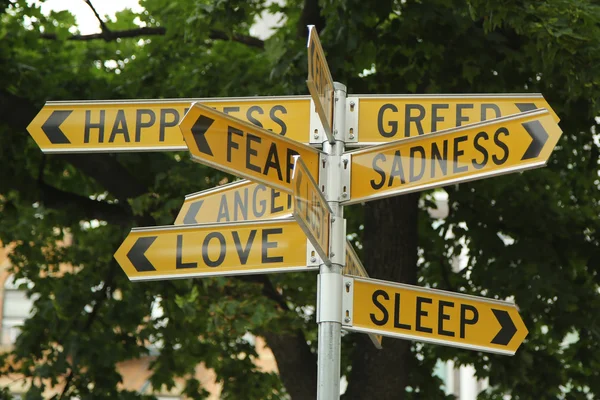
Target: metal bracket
<point x="347" y="301"/>
<point x="312" y="257"/>
<point x="346" y="168"/>
<point x="317" y="132"/>
<point x="331" y="300"/>
<point x="323" y="161"/>
<point x="351" y="131"/>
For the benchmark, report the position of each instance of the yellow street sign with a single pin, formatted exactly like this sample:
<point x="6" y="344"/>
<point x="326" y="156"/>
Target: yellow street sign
<point x="320" y="82"/>
<point x="475" y="151"/>
<point x="311" y="209"/>
<point x="184" y="251"/>
<point x="234" y="202"/>
<point x="151" y="125"/>
<point x="430" y="315"/>
<point x="354" y="267"/>
<point x="243" y="149"/>
<point x="382" y="119"/>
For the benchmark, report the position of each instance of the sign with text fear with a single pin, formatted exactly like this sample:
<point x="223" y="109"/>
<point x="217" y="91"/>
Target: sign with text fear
<point x="430" y="315"/>
<point x="238" y="201"/>
<point x="243" y="149"/>
<point x="311" y="209"/>
<point x="320" y="82"/>
<point x="169" y="252"/>
<point x="382" y="119"/>
<point x="475" y="151"/>
<point x="152" y="125"/>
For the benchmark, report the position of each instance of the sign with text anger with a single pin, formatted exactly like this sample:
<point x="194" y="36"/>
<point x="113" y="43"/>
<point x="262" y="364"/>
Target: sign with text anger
<point x="243" y="149"/>
<point x="475" y="151"/>
<point x="184" y="251"/>
<point x="320" y="82"/>
<point x="311" y="209"/>
<point x="430" y="315"/>
<point x="233" y="202"/>
<point x="385" y="118"/>
<point x="151" y="125"/>
<point x="355" y="268"/>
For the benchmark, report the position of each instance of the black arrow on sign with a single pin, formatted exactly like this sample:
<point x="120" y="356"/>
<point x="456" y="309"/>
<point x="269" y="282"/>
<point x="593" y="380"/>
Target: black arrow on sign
<point x="539" y="136"/>
<point x="507" y="328"/>
<point x="199" y="130"/>
<point x="136" y="254"/>
<point x="190" y="216"/>
<point x="526" y="106"/>
<point x="52" y="127"/>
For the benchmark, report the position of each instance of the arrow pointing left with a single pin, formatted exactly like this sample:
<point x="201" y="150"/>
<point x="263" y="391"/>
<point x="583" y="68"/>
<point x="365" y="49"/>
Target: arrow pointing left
<point x="136" y="254"/>
<point x="52" y="127"/>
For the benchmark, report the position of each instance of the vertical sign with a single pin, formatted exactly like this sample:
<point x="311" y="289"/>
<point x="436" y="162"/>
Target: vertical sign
<point x="320" y="82"/>
<point x="311" y="209"/>
<point x="355" y="268"/>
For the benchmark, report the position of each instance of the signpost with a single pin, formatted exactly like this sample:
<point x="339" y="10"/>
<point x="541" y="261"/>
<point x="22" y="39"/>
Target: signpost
<point x="430" y="315"/>
<point x="261" y="225"/>
<point x="320" y="82"/>
<point x="382" y="119"/>
<point x="234" y="202"/>
<point x="243" y="149"/>
<point x="185" y="251"/>
<point x="151" y="125"/>
<point x="311" y="209"/>
<point x="499" y="146"/>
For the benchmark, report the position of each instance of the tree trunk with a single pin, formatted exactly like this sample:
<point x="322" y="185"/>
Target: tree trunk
<point x="390" y="253"/>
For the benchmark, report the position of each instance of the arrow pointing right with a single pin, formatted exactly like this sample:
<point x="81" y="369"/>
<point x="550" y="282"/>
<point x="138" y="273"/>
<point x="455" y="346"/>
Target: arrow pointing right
<point x="539" y="136"/>
<point x="52" y="127"/>
<point x="507" y="328"/>
<point x="136" y="254"/>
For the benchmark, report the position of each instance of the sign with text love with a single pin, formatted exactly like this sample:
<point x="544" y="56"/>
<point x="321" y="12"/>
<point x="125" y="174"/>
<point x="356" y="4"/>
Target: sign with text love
<point x="382" y="119"/>
<point x="184" y="251"/>
<point x="320" y="82"/>
<point x="430" y="315"/>
<point x="354" y="267"/>
<point x="243" y="149"/>
<point x="237" y="201"/>
<point x="311" y="209"/>
<point x="500" y="146"/>
<point x="151" y="125"/>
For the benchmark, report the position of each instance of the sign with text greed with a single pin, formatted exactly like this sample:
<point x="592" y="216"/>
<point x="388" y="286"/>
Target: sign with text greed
<point x="475" y="151"/>
<point x="169" y="252"/>
<point x="430" y="315"/>
<point x="320" y="82"/>
<point x="311" y="209"/>
<point x="384" y="118"/>
<point x="243" y="149"/>
<point x="237" y="201"/>
<point x="151" y="125"/>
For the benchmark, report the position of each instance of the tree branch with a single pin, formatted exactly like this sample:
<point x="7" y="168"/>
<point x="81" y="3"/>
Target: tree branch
<point x="112" y="35"/>
<point x="311" y="15"/>
<point x="92" y="209"/>
<point x="102" y="24"/>
<point x="108" y="35"/>
<point x="247" y="40"/>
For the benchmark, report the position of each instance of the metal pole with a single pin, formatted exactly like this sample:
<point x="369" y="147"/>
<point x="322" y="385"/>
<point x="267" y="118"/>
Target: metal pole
<point x="329" y="298"/>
